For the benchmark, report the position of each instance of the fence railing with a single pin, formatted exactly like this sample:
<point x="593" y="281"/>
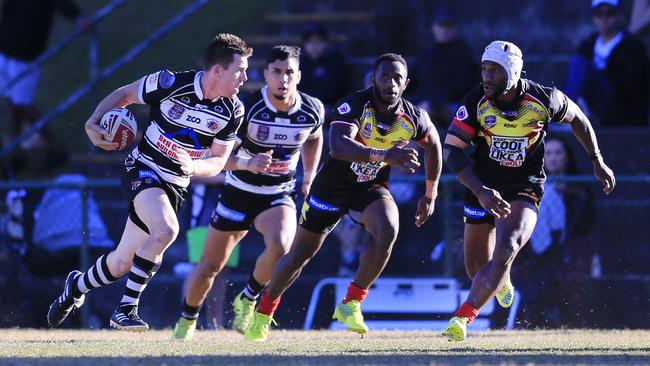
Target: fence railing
<point x="87" y="88"/>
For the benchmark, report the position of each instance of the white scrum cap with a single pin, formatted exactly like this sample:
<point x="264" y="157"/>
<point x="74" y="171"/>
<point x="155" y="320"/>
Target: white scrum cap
<point x="509" y="56"/>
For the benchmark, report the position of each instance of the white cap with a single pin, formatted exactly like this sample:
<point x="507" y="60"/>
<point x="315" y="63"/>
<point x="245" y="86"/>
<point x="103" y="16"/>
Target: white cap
<point x="509" y="56"/>
<point x="596" y="3"/>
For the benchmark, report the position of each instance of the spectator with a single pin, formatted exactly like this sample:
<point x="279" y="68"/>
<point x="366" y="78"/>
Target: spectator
<point x="323" y="67"/>
<point x="610" y="71"/>
<point x="24" y="30"/>
<point x="57" y="237"/>
<point x="446" y="68"/>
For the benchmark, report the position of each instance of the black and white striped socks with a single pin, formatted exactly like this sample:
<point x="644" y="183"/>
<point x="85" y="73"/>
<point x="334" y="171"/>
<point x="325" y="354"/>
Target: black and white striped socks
<point x="96" y="276"/>
<point x="141" y="273"/>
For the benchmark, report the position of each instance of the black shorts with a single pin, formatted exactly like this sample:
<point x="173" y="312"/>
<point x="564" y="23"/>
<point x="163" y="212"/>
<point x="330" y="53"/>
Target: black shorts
<point x="323" y="208"/>
<point x="474" y="213"/>
<point x="237" y="208"/>
<point x="136" y="177"/>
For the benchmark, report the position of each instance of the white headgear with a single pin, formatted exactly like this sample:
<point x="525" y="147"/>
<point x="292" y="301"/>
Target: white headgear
<point x="509" y="56"/>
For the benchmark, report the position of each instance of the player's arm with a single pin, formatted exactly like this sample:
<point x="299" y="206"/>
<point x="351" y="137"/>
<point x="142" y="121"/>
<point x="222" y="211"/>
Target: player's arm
<point x="211" y="166"/>
<point x="584" y="132"/>
<point x="310" y="154"/>
<point x="257" y="164"/>
<point x="456" y="142"/>
<point x="343" y="146"/>
<point x="121" y="97"/>
<point x="432" y="169"/>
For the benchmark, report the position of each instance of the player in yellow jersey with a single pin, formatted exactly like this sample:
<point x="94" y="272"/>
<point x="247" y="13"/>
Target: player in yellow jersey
<point x="505" y="118"/>
<point x="367" y="135"/>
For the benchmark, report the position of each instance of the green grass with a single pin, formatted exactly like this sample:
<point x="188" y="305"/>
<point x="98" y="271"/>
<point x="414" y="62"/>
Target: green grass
<point x="570" y="347"/>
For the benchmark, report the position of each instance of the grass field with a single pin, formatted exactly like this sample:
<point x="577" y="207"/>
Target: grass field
<point x="569" y="347"/>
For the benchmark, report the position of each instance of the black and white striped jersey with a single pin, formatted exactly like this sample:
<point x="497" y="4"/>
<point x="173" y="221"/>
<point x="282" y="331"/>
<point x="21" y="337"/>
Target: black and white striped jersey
<point x="265" y="128"/>
<point x="180" y="117"/>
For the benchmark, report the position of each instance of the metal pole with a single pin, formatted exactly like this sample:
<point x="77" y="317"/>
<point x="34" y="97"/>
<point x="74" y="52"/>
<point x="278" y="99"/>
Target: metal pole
<point x="83" y="250"/>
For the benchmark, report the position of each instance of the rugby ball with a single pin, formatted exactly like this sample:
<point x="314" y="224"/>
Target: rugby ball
<point x="121" y="126"/>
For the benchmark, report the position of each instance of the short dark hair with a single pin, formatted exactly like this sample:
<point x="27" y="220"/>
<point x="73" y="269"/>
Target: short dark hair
<point x="222" y="49"/>
<point x="283" y="52"/>
<point x="392" y="57"/>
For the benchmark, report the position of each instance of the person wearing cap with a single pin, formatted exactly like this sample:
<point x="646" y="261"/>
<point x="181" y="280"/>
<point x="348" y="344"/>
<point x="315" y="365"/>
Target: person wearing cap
<point x="506" y="119"/>
<point x="324" y="69"/>
<point x="446" y="68"/>
<point x="610" y="71"/>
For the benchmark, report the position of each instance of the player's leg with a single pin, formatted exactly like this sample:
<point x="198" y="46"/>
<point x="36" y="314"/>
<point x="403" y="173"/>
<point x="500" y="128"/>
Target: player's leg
<point x="277" y="225"/>
<point x="107" y="269"/>
<point x="478" y="246"/>
<point x="381" y="219"/>
<point x="154" y="209"/>
<point x="512" y="233"/>
<point x="218" y="248"/>
<point x="315" y="223"/>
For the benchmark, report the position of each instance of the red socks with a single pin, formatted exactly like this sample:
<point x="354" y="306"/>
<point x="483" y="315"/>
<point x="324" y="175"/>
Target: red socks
<point x="355" y="293"/>
<point x="467" y="311"/>
<point x="267" y="305"/>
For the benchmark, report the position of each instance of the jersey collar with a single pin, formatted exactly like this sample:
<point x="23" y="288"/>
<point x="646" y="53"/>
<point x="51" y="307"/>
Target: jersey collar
<point x="294" y="109"/>
<point x="197" y="87"/>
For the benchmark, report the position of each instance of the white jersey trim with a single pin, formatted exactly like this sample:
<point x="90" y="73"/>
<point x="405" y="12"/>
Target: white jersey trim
<point x="268" y="190"/>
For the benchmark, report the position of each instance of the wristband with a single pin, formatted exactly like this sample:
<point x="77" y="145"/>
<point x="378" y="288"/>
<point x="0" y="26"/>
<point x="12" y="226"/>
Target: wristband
<point x="377" y="155"/>
<point x="242" y="163"/>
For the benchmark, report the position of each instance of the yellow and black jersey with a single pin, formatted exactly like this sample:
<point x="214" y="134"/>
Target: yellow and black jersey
<point x="509" y="137"/>
<point x="376" y="130"/>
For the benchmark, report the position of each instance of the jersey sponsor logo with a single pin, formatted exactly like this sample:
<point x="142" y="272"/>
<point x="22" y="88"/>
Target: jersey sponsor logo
<point x="366" y="171"/>
<point x="461" y="113"/>
<point x="167" y="146"/>
<point x="185" y="100"/>
<point x="280" y="167"/>
<point x="301" y="118"/>
<point x="322" y="206"/>
<point x="534" y="109"/>
<point x="262" y="133"/>
<point x="405" y="126"/>
<point x="239" y="111"/>
<point x="534" y="123"/>
<point x="484" y="109"/>
<point x="218" y="109"/>
<point x="536" y="180"/>
<point x="300" y="136"/>
<point x="509" y="125"/>
<point x="490" y="121"/>
<point x="148" y="174"/>
<point x="166" y="79"/>
<point x="193" y="119"/>
<point x="212" y="124"/>
<point x="229" y="214"/>
<point x="176" y="111"/>
<point x="151" y="83"/>
<point x="474" y="213"/>
<point x="344" y="108"/>
<point x="266" y="116"/>
<point x="509" y="114"/>
<point x="509" y="151"/>
<point x="280" y="136"/>
<point x="283" y="121"/>
<point x="366" y="132"/>
<point x="201" y="106"/>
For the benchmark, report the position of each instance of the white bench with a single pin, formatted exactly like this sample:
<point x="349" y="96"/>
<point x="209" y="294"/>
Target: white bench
<point x="408" y="296"/>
